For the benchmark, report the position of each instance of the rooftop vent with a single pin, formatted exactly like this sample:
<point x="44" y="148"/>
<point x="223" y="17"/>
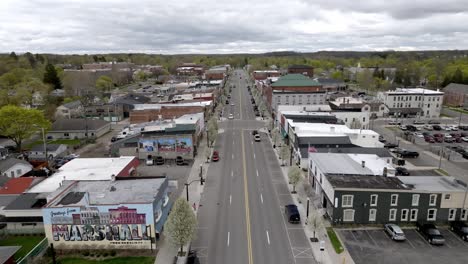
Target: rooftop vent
<point x="363" y="164"/>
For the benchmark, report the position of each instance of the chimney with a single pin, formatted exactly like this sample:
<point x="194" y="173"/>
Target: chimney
<point x="113" y="178"/>
<point x="332" y="129"/>
<point x="363" y="164"/>
<point x="385" y="171"/>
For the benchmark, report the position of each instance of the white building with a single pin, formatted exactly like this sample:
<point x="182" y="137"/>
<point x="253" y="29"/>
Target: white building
<point x="406" y="102"/>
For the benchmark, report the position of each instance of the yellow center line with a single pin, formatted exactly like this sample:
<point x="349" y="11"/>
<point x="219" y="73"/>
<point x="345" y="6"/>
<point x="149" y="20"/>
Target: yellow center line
<point x="247" y="211"/>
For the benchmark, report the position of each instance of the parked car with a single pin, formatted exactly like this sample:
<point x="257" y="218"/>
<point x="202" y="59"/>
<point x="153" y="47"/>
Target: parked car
<point x="447" y="135"/>
<point x="149" y="161"/>
<point x="180" y="161"/>
<point x="411" y="128"/>
<point x="394" y="232"/>
<point x="458" y="140"/>
<point x="437" y="127"/>
<point x="436" y="135"/>
<point x="419" y="135"/>
<point x="113" y="139"/>
<point x="449" y="140"/>
<point x="460" y="228"/>
<point x="419" y="122"/>
<point x="428" y="127"/>
<point x="435" y="122"/>
<point x="394" y="123"/>
<point x="292" y="214"/>
<point x="439" y="139"/>
<point x="231" y="116"/>
<point x="430" y="233"/>
<point x="430" y="139"/>
<point x="401" y="171"/>
<point x="454" y="128"/>
<point x="403" y="127"/>
<point x="382" y="139"/>
<point x="465" y="139"/>
<point x="159" y="160"/>
<point x="215" y="156"/>
<point x="254" y="132"/>
<point x="390" y="145"/>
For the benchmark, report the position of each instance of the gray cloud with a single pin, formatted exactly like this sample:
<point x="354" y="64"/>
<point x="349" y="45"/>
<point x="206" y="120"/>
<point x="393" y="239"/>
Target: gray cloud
<point x="224" y="26"/>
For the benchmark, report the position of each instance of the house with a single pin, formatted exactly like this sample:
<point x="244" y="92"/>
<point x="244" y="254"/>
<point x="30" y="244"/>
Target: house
<point x="69" y="110"/>
<point x="301" y="69"/>
<point x="133" y="212"/>
<point x="153" y="112"/>
<point x="3" y="153"/>
<point x="7" y="254"/>
<point x="128" y="102"/>
<point x="407" y="102"/>
<point x="52" y="151"/>
<point x="332" y="85"/>
<point x="12" y="188"/>
<point x="24" y="213"/>
<point x="14" y="168"/>
<point x="456" y="94"/>
<point x="78" y="128"/>
<point x="373" y="108"/>
<point x="294" y="89"/>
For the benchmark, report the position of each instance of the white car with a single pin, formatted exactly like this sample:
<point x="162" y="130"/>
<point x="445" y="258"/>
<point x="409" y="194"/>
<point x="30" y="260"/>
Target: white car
<point x="231" y="116"/>
<point x="419" y="135"/>
<point x="446" y="135"/>
<point x="447" y="128"/>
<point x="465" y="139"/>
<point x="394" y="232"/>
<point x="149" y="162"/>
<point x="454" y="128"/>
<point x="232" y="104"/>
<point x="257" y="137"/>
<point x="428" y="127"/>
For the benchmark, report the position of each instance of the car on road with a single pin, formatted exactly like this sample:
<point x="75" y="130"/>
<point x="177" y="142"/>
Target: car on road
<point x="390" y="145"/>
<point x="401" y="171"/>
<point x="215" y="156"/>
<point x="231" y="116"/>
<point x="292" y="214"/>
<point x="232" y="104"/>
<point x="407" y="153"/>
<point x="460" y="228"/>
<point x="395" y="232"/>
<point x="430" y="232"/>
<point x="382" y="139"/>
<point x="257" y="137"/>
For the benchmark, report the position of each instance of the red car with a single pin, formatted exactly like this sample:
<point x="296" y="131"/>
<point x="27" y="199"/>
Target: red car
<point x="215" y="156"/>
<point x="430" y="139"/>
<point x="439" y="139"/>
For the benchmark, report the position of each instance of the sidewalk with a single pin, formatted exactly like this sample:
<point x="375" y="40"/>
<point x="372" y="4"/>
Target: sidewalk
<point x="167" y="251"/>
<point x="328" y="256"/>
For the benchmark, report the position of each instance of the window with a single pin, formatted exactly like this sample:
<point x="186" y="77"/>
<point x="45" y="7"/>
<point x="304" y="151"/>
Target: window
<point x="432" y="199"/>
<point x="452" y="214"/>
<point x="415" y="200"/>
<point x="414" y="215"/>
<point x="373" y="200"/>
<point x="447" y="197"/>
<point x="394" y="200"/>
<point x="12" y="173"/>
<point x="392" y="215"/>
<point x="66" y="134"/>
<point x="404" y="214"/>
<point x="347" y="201"/>
<point x="348" y="215"/>
<point x="18" y="172"/>
<point x="464" y="213"/>
<point x="372" y="215"/>
<point x="363" y="119"/>
<point x="431" y="214"/>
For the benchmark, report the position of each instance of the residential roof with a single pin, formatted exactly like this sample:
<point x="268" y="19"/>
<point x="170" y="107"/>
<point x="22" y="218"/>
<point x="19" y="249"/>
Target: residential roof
<point x="10" y="162"/>
<point x="72" y="105"/>
<point x="297" y="80"/>
<point x="19" y="185"/>
<point x="108" y="192"/>
<point x="77" y="124"/>
<point x="365" y="182"/>
<point x="351" y="164"/>
<point x="7" y="199"/>
<point x="50" y="147"/>
<point x="83" y="169"/>
<point x="7" y="252"/>
<point x="433" y="183"/>
<point x="27" y="201"/>
<point x="457" y="87"/>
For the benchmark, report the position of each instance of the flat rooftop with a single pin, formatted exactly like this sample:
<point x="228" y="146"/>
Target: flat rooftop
<point x="433" y="183"/>
<point x="366" y="182"/>
<point x="85" y="193"/>
<point x="418" y="91"/>
<point x="351" y="164"/>
<point x="315" y="108"/>
<point x="319" y="129"/>
<point x="159" y="106"/>
<point x="83" y="169"/>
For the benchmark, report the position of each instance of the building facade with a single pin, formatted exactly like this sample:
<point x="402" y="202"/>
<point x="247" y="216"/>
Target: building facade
<point x="407" y="102"/>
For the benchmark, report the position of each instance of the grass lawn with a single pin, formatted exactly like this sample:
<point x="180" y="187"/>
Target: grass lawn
<point x="442" y="172"/>
<point x="460" y="110"/>
<point x="117" y="260"/>
<point x="334" y="240"/>
<point x="27" y="243"/>
<point x="393" y="128"/>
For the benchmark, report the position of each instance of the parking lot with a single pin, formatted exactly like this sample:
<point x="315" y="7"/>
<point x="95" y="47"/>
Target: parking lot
<point x="374" y="246"/>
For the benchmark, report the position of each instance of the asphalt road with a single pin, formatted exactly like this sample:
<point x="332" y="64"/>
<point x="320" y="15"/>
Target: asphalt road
<point x="241" y="217"/>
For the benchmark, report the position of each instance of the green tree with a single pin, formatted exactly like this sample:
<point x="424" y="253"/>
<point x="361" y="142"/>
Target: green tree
<point x="19" y="124"/>
<point x="457" y="76"/>
<point x="365" y="79"/>
<point x="51" y="76"/>
<point x="181" y="224"/>
<point x="295" y="176"/>
<point x="104" y="84"/>
<point x="13" y="56"/>
<point x="284" y="153"/>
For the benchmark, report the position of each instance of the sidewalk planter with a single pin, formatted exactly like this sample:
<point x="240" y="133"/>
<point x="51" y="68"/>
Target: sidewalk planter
<point x="335" y="241"/>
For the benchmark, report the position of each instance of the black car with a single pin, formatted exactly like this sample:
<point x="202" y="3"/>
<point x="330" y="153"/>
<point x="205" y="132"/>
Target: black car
<point x="181" y="161"/>
<point x="390" y="145"/>
<point x="430" y="233"/>
<point x="411" y="128"/>
<point x="437" y="127"/>
<point x="435" y="122"/>
<point x="401" y="171"/>
<point x="407" y="154"/>
<point x="460" y="228"/>
<point x="113" y="139"/>
<point x="254" y="132"/>
<point x="292" y="213"/>
<point x="382" y="139"/>
<point x="159" y="160"/>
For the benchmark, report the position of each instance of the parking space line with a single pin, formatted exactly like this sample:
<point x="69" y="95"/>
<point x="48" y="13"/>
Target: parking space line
<point x="411" y="244"/>
<point x="421" y="236"/>
<point x="355" y="238"/>
<point x="371" y="238"/>
<point x="458" y="238"/>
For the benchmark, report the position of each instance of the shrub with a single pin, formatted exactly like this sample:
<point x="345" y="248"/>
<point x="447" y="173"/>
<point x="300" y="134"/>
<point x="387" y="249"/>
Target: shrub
<point x="85" y="253"/>
<point x="112" y="253"/>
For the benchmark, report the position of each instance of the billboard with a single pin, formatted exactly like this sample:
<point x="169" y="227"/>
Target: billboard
<point x="131" y="225"/>
<point x="148" y="145"/>
<point x="166" y="145"/>
<point x="184" y="145"/>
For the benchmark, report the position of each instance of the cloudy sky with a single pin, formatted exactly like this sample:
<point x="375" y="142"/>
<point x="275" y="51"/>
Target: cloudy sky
<point x="230" y="26"/>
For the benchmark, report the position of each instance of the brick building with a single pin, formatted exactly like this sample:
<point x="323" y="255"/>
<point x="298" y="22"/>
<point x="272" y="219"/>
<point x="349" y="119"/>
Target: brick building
<point x="148" y="112"/>
<point x="456" y="95"/>
<point x="302" y="69"/>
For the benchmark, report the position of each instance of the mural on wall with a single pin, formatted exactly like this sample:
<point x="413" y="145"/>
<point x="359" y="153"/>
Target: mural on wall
<point x="93" y="224"/>
<point x="166" y="145"/>
<point x="184" y="145"/>
<point x="148" y="145"/>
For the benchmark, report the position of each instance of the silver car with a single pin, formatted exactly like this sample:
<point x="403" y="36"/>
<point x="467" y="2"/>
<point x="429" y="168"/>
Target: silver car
<point x="395" y="232"/>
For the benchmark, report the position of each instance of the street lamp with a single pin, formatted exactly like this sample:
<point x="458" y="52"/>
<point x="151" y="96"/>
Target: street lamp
<point x="43" y="141"/>
<point x="201" y="180"/>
